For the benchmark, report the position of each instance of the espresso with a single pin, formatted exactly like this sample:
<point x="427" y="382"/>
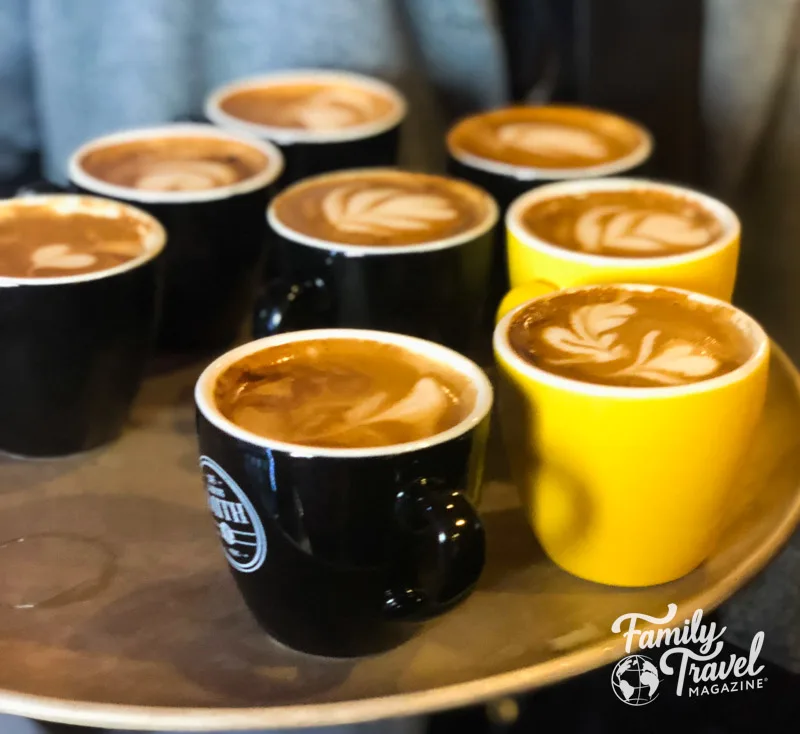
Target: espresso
<point x="623" y="223"/>
<point x="611" y="336"/>
<point x="342" y="393"/>
<point x="173" y="163"/>
<point x="308" y="105"/>
<point x="382" y="207"/>
<point x="547" y="137"/>
<point x="67" y="236"/>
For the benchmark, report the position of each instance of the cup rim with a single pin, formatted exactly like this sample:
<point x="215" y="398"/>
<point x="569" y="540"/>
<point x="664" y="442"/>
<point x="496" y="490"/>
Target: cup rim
<point x="204" y="398"/>
<point x="536" y="173"/>
<point x="154" y="240"/>
<point x="267" y="176"/>
<point x="288" y="136"/>
<point x="731" y="225"/>
<point x="353" y="250"/>
<point x="505" y="353"/>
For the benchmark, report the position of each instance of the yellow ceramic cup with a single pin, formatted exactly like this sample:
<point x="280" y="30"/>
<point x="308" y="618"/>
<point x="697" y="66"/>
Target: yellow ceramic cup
<point x="628" y="485"/>
<point x="710" y="270"/>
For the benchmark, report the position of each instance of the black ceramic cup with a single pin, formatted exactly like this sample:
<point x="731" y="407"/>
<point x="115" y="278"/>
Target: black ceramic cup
<point x="74" y="346"/>
<point x="344" y="552"/>
<point x="216" y="239"/>
<point x="434" y="290"/>
<point x="506" y="180"/>
<point x="309" y="150"/>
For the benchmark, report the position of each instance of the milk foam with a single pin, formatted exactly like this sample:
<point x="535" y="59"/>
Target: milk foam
<point x="553" y="141"/>
<point x="591" y="338"/>
<point x="330" y="109"/>
<point x="383" y="210"/>
<point x="637" y="230"/>
<point x="184" y="175"/>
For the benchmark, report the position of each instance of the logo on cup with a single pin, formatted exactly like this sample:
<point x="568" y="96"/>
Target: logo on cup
<point x="694" y="656"/>
<point x="240" y="528"/>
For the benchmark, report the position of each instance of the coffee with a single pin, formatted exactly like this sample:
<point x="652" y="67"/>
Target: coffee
<point x="548" y="137"/>
<point x="624" y="223"/>
<point x="174" y="163"/>
<point x="308" y="105"/>
<point x="382" y="207"/>
<point x="69" y="235"/>
<point x="342" y="393"/>
<point x="612" y="336"/>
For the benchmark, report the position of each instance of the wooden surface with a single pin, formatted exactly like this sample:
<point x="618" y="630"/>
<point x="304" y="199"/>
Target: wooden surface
<point x="117" y="609"/>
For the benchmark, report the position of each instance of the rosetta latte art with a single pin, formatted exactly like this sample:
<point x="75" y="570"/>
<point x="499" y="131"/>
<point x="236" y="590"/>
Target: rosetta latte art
<point x="184" y="175"/>
<point x="635" y="230"/>
<point x="384" y="210"/>
<point x="591" y="340"/>
<point x="552" y="141"/>
<point x="330" y="109"/>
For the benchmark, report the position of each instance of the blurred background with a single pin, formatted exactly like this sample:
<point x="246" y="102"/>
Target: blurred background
<point x="716" y="81"/>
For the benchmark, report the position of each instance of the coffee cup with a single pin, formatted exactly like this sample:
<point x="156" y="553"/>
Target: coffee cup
<point x="381" y="249"/>
<point x="321" y="120"/>
<point x="625" y="410"/>
<point x="209" y="189"/>
<point x="80" y="284"/>
<point x="620" y="230"/>
<point x="342" y="466"/>
<point x="511" y="150"/>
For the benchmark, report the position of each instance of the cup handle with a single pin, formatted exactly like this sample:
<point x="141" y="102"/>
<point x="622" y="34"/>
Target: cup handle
<point x="451" y="523"/>
<point x="522" y="293"/>
<point x="285" y="306"/>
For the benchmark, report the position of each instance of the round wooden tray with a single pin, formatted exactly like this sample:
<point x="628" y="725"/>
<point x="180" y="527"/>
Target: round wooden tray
<point x="117" y="609"/>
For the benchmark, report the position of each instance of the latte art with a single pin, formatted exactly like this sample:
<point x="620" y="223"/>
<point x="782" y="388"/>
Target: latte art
<point x="384" y="210"/>
<point x="342" y="393"/>
<point x="553" y="141"/>
<point x="591" y="338"/>
<point x="330" y="109"/>
<point x="184" y="175"/>
<point x="638" y="231"/>
<point x="69" y="235"/>
<point x="625" y="222"/>
<point x="614" y="337"/>
<point x="381" y="207"/>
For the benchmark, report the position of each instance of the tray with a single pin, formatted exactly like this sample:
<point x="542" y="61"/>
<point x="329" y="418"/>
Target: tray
<point x="117" y="609"/>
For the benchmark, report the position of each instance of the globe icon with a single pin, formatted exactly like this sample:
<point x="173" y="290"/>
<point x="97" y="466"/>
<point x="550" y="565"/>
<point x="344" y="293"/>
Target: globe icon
<point x="635" y="680"/>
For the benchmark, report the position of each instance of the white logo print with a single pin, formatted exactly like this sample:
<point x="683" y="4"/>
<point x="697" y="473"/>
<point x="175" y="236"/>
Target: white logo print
<point x="636" y="679"/>
<point x="185" y="175"/>
<point x="330" y="109"/>
<point x="240" y="528"/>
<point x="552" y="141"/>
<point x="384" y="210"/>
<point x="591" y="340"/>
<point x="636" y="230"/>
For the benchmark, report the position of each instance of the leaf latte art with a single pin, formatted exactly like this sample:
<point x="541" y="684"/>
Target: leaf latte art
<point x="591" y="338"/>
<point x="552" y="141"/>
<point x="184" y="175"/>
<point x="636" y="230"/>
<point x="383" y="210"/>
<point x="330" y="109"/>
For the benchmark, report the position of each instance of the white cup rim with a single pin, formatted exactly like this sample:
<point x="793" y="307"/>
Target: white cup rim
<point x="263" y="178"/>
<point x="204" y="398"/>
<point x="731" y="227"/>
<point x="154" y="240"/>
<point x="536" y="173"/>
<point x="352" y="250"/>
<point x="746" y="324"/>
<point x="288" y="136"/>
